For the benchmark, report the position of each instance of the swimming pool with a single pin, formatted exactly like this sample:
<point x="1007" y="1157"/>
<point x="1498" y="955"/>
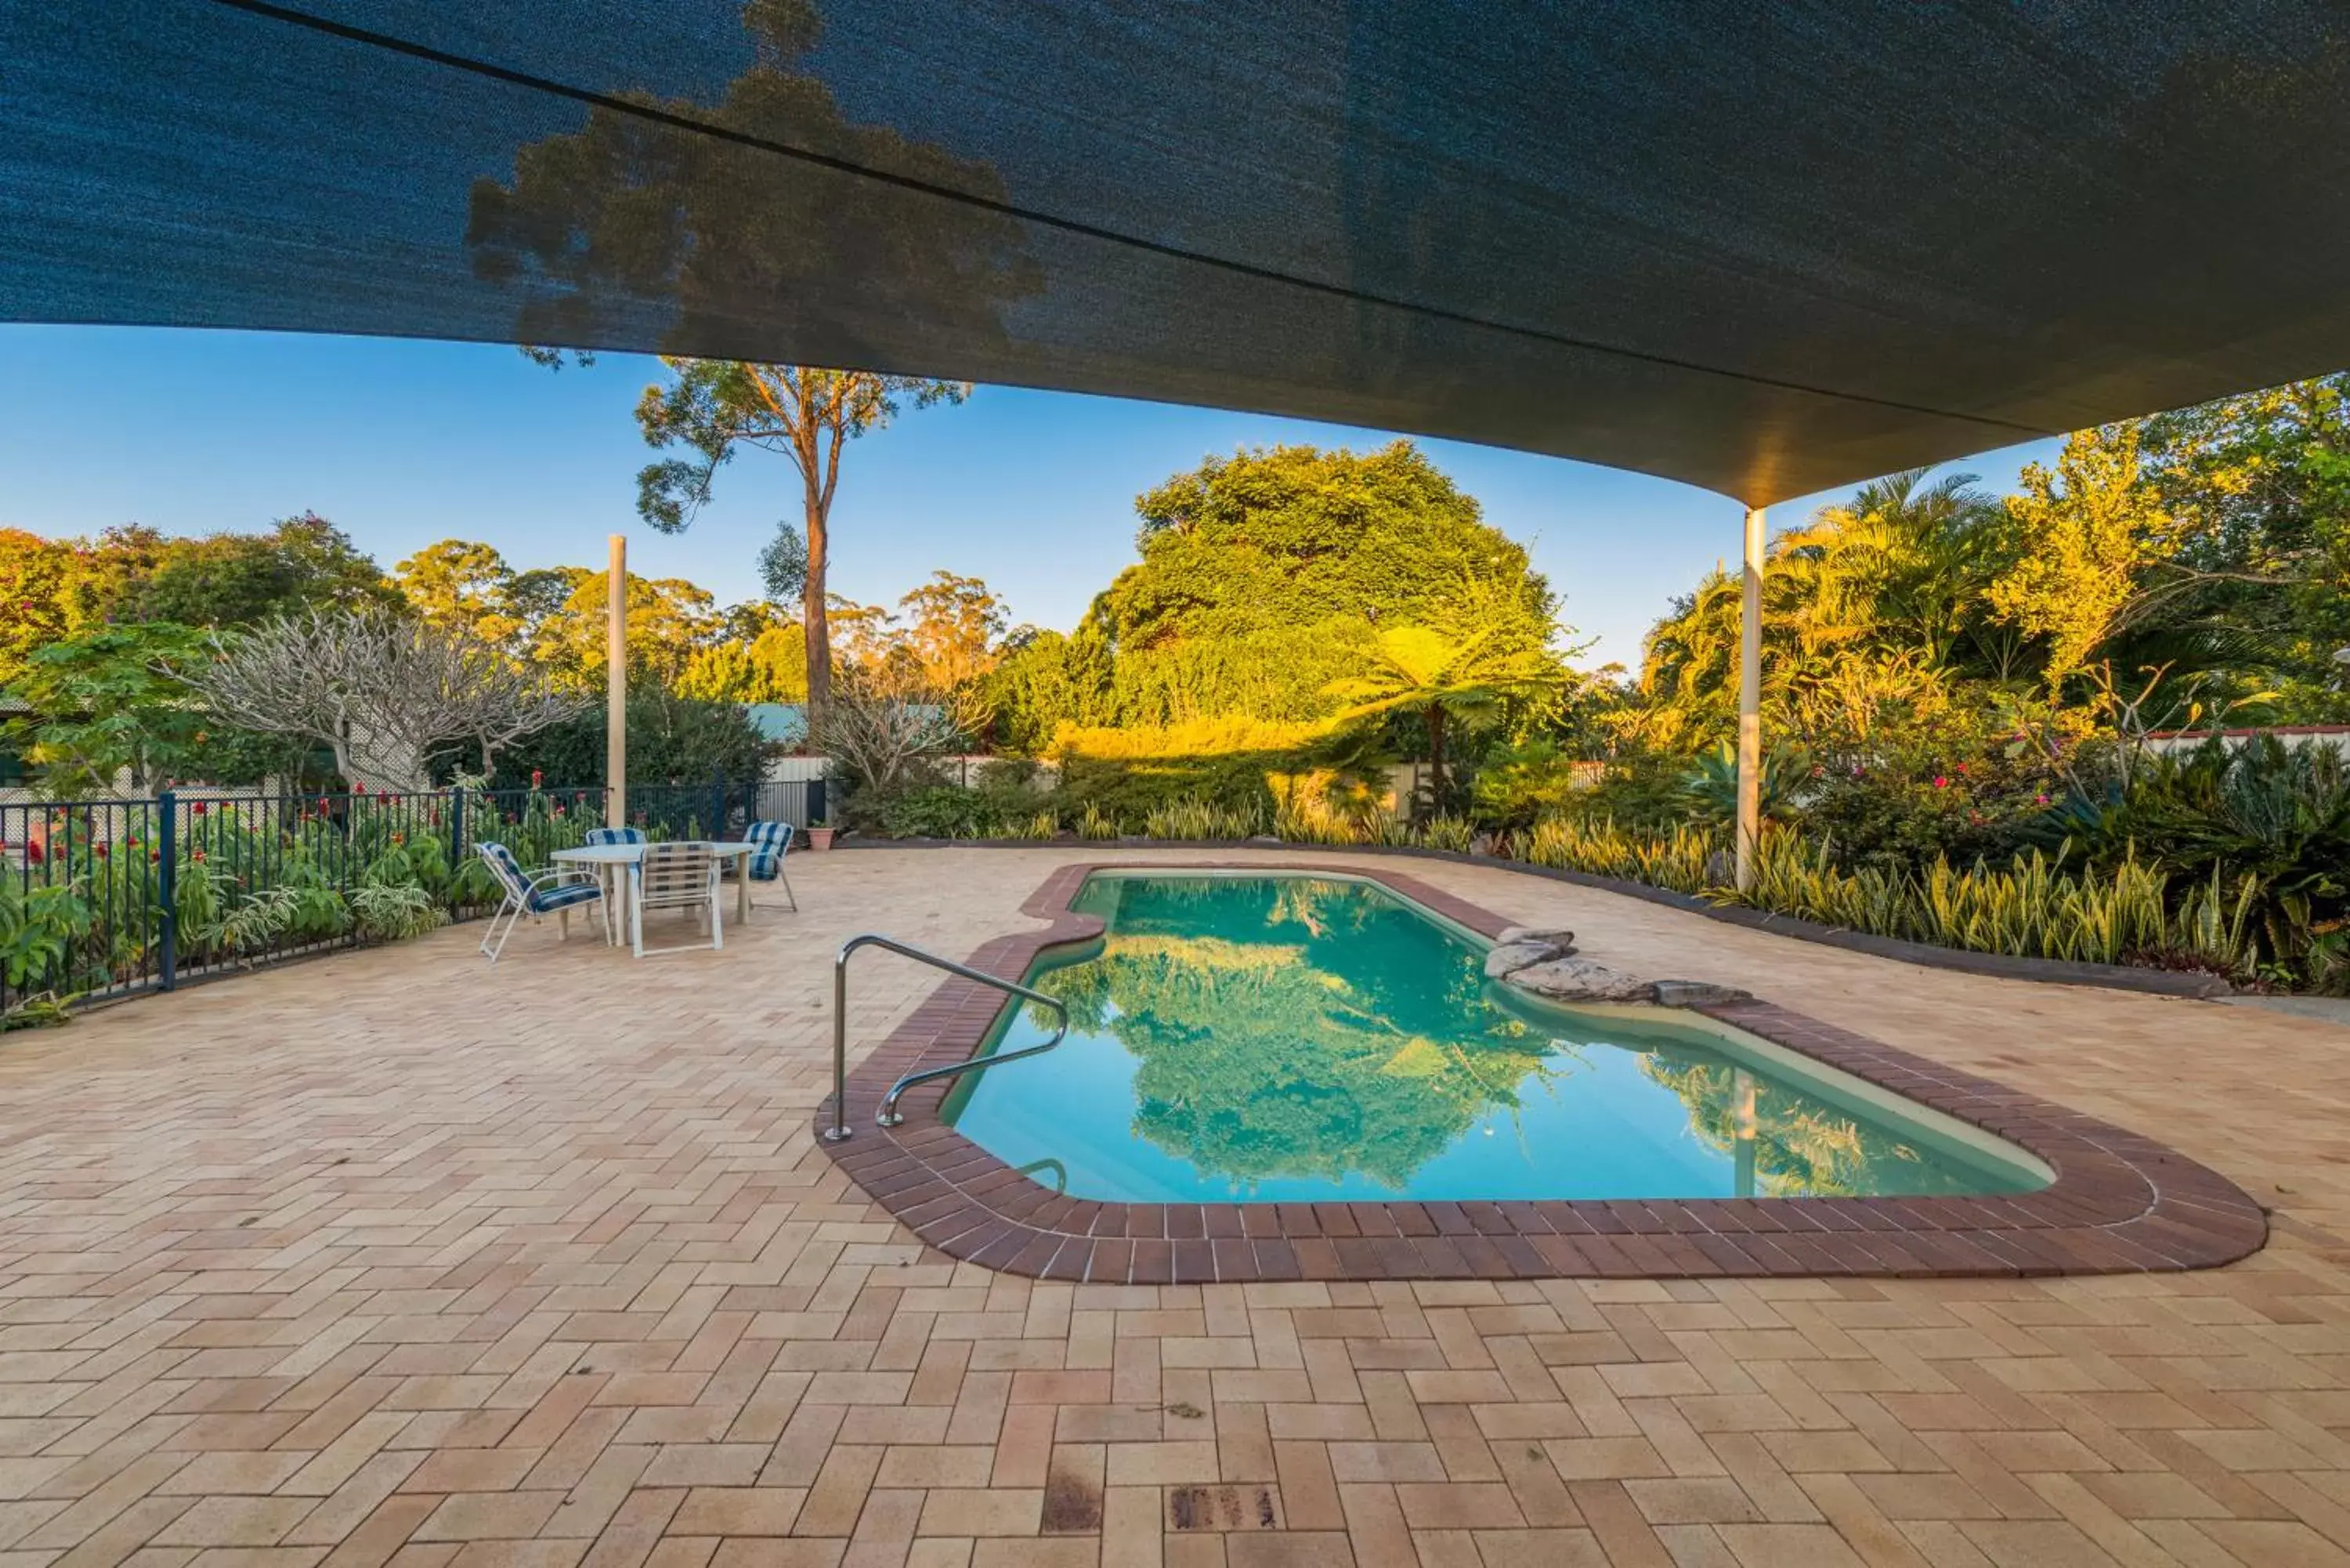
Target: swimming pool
<point x="1254" y="1038"/>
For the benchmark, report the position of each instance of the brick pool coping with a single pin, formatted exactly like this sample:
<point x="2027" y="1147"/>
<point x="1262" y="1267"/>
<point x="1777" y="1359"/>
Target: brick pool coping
<point x="2120" y="1203"/>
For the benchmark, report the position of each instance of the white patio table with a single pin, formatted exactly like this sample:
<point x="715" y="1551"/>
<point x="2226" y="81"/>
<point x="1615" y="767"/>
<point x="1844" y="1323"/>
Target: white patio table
<point x="610" y="863"/>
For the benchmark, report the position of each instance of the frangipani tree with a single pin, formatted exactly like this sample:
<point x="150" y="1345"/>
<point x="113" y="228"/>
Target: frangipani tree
<point x="384" y="692"/>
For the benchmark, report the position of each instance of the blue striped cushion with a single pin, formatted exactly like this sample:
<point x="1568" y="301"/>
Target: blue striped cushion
<point x="547" y="900"/>
<point x="773" y="840"/>
<point x="614" y="835"/>
<point x="503" y="865"/>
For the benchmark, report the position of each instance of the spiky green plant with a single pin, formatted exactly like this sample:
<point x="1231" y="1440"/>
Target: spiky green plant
<point x="1453" y="833"/>
<point x="1194" y="819"/>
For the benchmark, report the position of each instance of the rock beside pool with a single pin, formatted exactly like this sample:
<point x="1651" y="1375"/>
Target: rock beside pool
<point x="1571" y="978"/>
<point x="1579" y="980"/>
<point x="1698" y="994"/>
<point x="1521" y="946"/>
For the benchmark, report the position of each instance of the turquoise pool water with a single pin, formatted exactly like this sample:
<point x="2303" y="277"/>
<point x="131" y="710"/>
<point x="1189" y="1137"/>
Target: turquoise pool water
<point x="1301" y="1038"/>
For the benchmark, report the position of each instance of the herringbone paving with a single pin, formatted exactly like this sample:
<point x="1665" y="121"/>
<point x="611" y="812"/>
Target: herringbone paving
<point x="391" y="1258"/>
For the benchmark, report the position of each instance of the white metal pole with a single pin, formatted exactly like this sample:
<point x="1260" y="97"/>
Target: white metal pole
<point x="616" y="683"/>
<point x="1750" y="702"/>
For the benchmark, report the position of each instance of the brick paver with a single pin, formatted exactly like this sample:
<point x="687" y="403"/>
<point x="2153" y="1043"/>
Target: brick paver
<point x="393" y="1258"/>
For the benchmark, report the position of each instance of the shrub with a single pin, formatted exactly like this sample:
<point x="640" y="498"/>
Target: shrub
<point x="938" y="811"/>
<point x="2219" y="815"/>
<point x="39" y="930"/>
<point x="1129" y="791"/>
<point x="1517" y="785"/>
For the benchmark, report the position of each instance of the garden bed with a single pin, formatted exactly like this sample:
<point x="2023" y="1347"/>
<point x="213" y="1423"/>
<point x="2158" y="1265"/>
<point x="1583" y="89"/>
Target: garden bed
<point x="2005" y="966"/>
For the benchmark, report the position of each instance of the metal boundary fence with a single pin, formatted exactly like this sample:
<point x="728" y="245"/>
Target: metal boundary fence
<point x="105" y="899"/>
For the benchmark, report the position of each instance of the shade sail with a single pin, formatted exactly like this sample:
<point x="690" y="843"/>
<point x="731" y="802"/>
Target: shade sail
<point x="1763" y="248"/>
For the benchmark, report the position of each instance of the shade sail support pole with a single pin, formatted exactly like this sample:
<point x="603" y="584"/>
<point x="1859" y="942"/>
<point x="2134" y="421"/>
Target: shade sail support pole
<point x="1750" y="702"/>
<point x="616" y="683"/>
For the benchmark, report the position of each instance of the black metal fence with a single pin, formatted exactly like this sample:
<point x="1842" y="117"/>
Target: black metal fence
<point x="101" y="899"/>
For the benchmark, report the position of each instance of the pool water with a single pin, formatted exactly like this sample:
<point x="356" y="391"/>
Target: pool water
<point x="1258" y="1038"/>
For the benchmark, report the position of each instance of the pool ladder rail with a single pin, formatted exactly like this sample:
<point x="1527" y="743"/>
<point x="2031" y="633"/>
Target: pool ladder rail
<point x="887" y="1115"/>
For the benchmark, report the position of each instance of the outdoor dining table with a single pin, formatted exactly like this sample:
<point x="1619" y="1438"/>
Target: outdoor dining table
<point x="610" y="863"/>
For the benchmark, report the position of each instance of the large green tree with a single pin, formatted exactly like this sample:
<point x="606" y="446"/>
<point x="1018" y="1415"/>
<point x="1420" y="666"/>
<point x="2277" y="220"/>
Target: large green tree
<point x="302" y="564"/>
<point x="2089" y="530"/>
<point x="1292" y="536"/>
<point x="459" y="584"/>
<point x="1265" y="577"/>
<point x="2258" y="489"/>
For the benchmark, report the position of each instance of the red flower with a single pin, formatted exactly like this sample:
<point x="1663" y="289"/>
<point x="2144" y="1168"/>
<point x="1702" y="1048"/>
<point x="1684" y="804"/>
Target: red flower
<point x="558" y="811"/>
<point x="153" y="855"/>
<point x="197" y="856"/>
<point x="537" y="777"/>
<point x="1942" y="783"/>
<point x="99" y="850"/>
<point x="198" y="809"/>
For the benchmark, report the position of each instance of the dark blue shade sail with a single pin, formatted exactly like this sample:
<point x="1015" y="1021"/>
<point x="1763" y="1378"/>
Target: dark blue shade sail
<point x="1763" y="248"/>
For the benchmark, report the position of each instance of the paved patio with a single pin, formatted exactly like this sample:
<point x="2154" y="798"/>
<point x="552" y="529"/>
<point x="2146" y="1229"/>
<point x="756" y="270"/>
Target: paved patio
<point x="390" y="1257"/>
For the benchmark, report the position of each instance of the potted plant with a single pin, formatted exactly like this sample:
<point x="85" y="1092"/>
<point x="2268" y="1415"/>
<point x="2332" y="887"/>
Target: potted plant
<point x="819" y="837"/>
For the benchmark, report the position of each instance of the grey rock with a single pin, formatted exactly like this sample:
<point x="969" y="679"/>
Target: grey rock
<point x="1511" y="957"/>
<point x="1697" y="993"/>
<point x="1519" y="945"/>
<point x="1580" y="979"/>
<point x="1562" y="941"/>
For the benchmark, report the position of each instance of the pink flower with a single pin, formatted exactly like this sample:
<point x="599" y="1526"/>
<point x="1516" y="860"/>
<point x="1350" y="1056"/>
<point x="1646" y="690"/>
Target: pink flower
<point x="2042" y="798"/>
<point x="1940" y="782"/>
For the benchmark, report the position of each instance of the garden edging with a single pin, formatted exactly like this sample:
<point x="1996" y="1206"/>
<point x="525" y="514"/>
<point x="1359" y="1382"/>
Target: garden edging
<point x="2002" y="966"/>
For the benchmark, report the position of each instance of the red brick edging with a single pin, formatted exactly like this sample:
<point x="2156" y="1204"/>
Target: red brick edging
<point x="2120" y="1203"/>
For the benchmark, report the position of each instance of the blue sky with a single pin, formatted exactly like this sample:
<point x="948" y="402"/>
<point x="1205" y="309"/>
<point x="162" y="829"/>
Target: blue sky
<point x="402" y="443"/>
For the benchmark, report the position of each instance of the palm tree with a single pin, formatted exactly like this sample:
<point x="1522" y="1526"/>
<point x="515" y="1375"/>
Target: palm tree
<point x="1439" y="674"/>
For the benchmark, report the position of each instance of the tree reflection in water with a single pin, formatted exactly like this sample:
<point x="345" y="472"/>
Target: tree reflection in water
<point x="1310" y="1033"/>
<point x="1319" y="1043"/>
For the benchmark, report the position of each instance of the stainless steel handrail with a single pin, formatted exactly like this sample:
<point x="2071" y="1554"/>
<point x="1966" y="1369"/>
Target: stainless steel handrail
<point x="887" y="1115"/>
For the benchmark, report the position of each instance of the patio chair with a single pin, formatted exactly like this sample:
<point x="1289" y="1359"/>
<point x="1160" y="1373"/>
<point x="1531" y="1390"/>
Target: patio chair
<point x="557" y="891"/>
<point x="610" y="876"/>
<point x="765" y="864"/>
<point x="674" y="877"/>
